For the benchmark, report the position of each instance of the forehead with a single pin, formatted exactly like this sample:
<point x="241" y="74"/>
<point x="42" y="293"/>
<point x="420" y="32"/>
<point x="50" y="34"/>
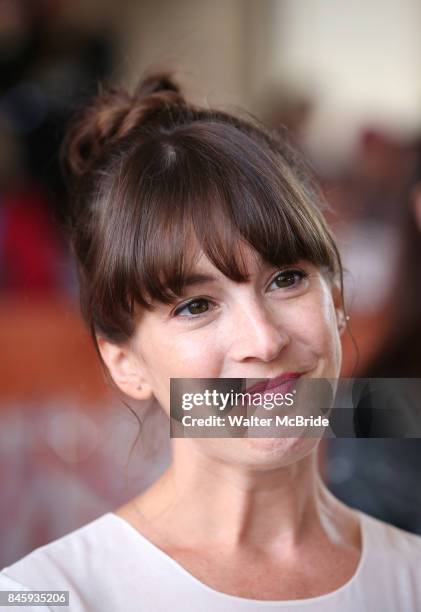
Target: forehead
<point x="250" y="259"/>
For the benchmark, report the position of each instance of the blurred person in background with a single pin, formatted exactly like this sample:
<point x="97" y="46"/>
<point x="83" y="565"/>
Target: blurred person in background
<point x="381" y="476"/>
<point x="369" y="201"/>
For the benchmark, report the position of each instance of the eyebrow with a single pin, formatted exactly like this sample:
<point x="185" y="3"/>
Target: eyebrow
<point x="197" y="279"/>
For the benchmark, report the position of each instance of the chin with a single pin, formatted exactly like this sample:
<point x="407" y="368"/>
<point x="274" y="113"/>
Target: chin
<point x="268" y="453"/>
<point x="280" y="451"/>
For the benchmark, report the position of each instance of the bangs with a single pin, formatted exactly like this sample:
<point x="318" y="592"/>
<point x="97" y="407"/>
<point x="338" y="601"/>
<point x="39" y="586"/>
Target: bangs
<point x="213" y="194"/>
<point x="202" y="188"/>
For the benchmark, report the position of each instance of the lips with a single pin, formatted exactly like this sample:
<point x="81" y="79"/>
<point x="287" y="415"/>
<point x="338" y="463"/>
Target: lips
<point x="283" y="380"/>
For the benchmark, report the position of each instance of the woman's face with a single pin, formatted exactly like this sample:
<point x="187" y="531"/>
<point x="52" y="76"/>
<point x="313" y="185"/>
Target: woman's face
<point x="280" y="320"/>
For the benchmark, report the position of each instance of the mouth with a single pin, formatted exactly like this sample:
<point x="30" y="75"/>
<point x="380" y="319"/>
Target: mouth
<point x="282" y="383"/>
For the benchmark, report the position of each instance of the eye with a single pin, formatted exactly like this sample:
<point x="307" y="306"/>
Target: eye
<point x="289" y="278"/>
<point x="195" y="308"/>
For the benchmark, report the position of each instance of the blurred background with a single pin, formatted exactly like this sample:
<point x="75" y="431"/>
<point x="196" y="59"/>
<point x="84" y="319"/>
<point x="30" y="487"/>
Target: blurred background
<point x="345" y="79"/>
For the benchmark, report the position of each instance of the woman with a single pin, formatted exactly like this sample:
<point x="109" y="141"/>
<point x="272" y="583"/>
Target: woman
<point x="202" y="253"/>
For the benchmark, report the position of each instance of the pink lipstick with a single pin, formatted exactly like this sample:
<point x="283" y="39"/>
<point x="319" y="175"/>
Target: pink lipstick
<point x="285" y="380"/>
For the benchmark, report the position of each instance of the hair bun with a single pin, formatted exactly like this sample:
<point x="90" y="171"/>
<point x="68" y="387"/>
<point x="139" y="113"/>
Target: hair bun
<point x="112" y="115"/>
<point x="156" y="83"/>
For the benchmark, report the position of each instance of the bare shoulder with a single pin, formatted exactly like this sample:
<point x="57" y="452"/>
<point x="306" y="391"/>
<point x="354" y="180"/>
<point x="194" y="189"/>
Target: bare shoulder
<point x="130" y="512"/>
<point x="342" y="522"/>
<point x="133" y="513"/>
<point x="148" y="513"/>
<point x="125" y="511"/>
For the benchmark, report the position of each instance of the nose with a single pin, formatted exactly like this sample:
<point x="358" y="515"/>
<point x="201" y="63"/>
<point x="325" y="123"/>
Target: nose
<point x="257" y="335"/>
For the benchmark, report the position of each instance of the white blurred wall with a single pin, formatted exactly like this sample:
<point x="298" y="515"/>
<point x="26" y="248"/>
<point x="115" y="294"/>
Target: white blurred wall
<point x="362" y="59"/>
<point x="218" y="48"/>
<point x="202" y="41"/>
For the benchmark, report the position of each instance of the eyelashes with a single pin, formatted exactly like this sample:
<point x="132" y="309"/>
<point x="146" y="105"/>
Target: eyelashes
<point x="193" y="304"/>
<point x="288" y="274"/>
<point x="289" y="279"/>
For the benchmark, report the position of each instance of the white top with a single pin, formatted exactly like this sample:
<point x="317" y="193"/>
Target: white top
<point x="108" y="566"/>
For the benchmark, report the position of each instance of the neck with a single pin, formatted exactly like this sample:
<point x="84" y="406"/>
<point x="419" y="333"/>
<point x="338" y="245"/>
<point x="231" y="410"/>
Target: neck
<point x="238" y="508"/>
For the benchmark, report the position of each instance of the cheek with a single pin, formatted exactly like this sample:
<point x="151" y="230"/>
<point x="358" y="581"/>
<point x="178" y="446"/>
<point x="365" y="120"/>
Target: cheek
<point x="316" y="329"/>
<point x="192" y="354"/>
<point x="181" y="356"/>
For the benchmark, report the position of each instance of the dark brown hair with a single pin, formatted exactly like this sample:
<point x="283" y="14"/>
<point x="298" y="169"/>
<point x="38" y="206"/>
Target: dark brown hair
<point x="155" y="175"/>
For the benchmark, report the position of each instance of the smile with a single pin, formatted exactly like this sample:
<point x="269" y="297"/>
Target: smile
<point x="284" y="382"/>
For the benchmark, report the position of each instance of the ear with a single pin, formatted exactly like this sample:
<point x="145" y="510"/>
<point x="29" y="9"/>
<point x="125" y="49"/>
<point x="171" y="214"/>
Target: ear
<point x="125" y="370"/>
<point x="339" y="309"/>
